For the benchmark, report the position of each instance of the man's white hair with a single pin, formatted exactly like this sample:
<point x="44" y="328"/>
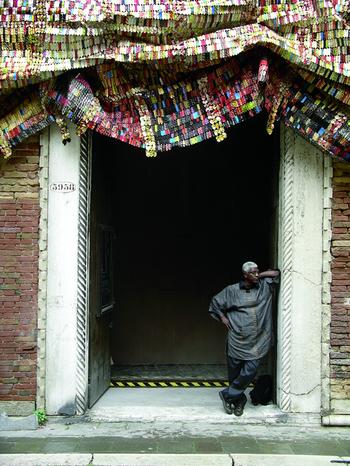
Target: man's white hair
<point x="248" y="266"/>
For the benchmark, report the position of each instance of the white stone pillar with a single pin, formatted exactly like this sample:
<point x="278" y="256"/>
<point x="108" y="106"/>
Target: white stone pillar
<point x="300" y="259"/>
<point x="61" y="330"/>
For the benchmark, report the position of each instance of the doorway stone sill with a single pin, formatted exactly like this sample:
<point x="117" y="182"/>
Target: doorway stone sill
<point x="184" y="405"/>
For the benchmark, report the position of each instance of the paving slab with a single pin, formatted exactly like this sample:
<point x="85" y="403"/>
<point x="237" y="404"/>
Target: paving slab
<point x="241" y="445"/>
<point x="173" y="446"/>
<point x="162" y="460"/>
<point x="288" y="460"/>
<point x="169" y="445"/>
<point x="326" y="448"/>
<point x="46" y="460"/>
<point x="146" y="459"/>
<point x="117" y="444"/>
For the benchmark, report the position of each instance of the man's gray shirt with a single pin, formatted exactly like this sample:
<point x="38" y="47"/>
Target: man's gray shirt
<point x="249" y="312"/>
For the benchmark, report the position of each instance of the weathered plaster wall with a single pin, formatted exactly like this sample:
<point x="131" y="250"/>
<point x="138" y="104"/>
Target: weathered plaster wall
<point x="19" y="220"/>
<point x="340" y="291"/>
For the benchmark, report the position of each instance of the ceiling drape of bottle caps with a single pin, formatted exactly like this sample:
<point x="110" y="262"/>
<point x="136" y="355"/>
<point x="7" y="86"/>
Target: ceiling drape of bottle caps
<point x="161" y="74"/>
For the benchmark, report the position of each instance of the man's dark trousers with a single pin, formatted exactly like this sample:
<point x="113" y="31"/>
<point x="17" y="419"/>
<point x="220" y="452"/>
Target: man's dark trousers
<point x="240" y="374"/>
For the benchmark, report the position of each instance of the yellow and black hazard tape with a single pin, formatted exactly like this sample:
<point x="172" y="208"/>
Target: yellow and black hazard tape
<point x="168" y="383"/>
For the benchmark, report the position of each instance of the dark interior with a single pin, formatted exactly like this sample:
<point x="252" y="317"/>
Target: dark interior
<point x="184" y="223"/>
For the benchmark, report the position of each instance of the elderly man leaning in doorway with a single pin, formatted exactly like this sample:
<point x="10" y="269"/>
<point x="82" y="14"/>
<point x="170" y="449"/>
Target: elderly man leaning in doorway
<point x="245" y="308"/>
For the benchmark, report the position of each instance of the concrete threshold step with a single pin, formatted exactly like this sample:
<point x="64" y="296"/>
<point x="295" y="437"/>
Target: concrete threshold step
<point x="179" y="405"/>
<point x="101" y="459"/>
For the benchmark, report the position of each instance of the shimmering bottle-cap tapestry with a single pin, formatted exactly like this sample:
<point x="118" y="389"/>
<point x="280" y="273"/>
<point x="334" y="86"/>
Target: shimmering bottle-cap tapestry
<point x="159" y="74"/>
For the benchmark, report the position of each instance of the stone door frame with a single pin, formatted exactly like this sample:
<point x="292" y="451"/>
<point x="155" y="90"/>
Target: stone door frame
<point x="304" y="298"/>
<point x="304" y="258"/>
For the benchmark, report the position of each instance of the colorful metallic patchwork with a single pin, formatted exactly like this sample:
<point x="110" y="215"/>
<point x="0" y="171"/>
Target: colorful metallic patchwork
<point x="164" y="73"/>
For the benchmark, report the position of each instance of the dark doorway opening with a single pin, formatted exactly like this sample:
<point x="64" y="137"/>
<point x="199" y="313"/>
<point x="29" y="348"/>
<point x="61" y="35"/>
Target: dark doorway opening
<point x="183" y="224"/>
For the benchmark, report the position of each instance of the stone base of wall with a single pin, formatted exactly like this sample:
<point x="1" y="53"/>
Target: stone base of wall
<point x="341" y="420"/>
<point x="17" y="408"/>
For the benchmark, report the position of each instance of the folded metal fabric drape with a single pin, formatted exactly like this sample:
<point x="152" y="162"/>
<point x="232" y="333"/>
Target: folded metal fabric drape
<point x="159" y="74"/>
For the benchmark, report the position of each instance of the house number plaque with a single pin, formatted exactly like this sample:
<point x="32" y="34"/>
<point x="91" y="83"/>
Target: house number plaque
<point x="63" y="187"/>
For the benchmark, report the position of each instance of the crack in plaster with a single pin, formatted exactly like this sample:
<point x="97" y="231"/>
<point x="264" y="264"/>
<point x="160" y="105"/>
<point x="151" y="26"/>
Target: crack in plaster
<point x="303" y="276"/>
<point x="307" y="279"/>
<point x="301" y="394"/>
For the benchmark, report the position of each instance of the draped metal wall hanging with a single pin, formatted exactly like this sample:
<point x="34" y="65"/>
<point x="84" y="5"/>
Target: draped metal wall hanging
<point x="173" y="73"/>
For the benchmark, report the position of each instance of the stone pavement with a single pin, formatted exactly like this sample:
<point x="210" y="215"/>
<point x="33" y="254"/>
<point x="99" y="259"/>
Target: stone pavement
<point x="167" y="431"/>
<point x="79" y="435"/>
<point x="233" y="459"/>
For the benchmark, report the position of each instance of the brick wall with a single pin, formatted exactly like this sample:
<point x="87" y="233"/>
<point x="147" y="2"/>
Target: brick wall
<point x="19" y="219"/>
<point x="340" y="290"/>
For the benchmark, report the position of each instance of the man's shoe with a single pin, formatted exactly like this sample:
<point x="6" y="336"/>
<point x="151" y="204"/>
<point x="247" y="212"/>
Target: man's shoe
<point x="225" y="404"/>
<point x="239" y="406"/>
